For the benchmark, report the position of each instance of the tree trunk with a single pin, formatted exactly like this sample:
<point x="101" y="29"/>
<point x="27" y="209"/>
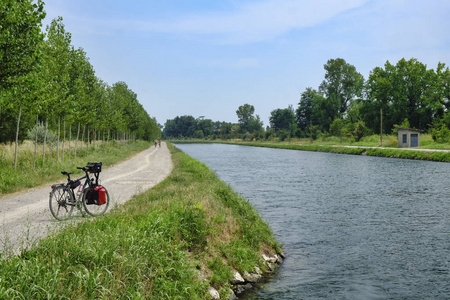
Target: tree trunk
<point x="35" y="142"/>
<point x="17" y="137"/>
<point x="107" y="141"/>
<point x="76" y="141"/>
<point x="93" y="138"/>
<point x="45" y="138"/>
<point x="64" y="137"/>
<point x="88" y="139"/>
<point x="57" y="142"/>
<point x="70" y="137"/>
<point x="82" y="137"/>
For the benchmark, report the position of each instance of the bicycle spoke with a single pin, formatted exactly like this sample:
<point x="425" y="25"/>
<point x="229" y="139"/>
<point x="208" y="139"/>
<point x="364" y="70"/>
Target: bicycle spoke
<point x="59" y="203"/>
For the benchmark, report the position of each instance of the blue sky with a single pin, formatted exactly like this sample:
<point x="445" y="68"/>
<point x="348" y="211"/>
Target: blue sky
<point x="206" y="58"/>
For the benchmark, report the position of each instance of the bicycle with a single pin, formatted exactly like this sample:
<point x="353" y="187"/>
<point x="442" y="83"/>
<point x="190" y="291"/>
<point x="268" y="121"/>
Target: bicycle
<point x="91" y="197"/>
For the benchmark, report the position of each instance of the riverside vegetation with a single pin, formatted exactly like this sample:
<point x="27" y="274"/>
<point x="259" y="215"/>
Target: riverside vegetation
<point x="188" y="233"/>
<point x="369" y="145"/>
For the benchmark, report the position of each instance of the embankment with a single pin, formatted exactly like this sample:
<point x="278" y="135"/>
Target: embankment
<point x="422" y="154"/>
<point x="189" y="237"/>
<point x="409" y="153"/>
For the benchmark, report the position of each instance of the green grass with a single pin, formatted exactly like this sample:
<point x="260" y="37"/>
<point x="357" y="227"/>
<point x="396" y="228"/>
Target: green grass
<point x="12" y="180"/>
<point x="171" y="242"/>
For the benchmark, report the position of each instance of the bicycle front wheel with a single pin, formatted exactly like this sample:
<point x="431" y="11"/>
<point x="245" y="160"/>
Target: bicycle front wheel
<point x="91" y="205"/>
<point x="61" y="203"/>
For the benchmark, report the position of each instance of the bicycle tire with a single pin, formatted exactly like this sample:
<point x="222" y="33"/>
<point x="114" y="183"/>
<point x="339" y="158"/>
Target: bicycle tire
<point x="94" y="209"/>
<point x="61" y="203"/>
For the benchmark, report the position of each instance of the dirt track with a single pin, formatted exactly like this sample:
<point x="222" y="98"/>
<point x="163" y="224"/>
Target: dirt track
<point x="25" y="217"/>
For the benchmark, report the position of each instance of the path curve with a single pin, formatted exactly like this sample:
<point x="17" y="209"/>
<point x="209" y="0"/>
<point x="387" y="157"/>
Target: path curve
<point x="25" y="217"/>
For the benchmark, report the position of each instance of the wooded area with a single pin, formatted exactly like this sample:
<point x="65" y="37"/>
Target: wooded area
<point x="46" y="83"/>
<point x="345" y="104"/>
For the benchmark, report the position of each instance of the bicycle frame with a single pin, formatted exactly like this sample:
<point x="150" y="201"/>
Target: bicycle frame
<point x="81" y="188"/>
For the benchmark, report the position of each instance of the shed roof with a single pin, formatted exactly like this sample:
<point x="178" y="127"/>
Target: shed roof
<point x="409" y="129"/>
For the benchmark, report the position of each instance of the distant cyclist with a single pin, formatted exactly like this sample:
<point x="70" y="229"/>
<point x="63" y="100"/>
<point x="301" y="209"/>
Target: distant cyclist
<point x="156" y="142"/>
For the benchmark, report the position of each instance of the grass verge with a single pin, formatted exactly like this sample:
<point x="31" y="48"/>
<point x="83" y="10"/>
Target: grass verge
<point x="12" y="180"/>
<point x="189" y="232"/>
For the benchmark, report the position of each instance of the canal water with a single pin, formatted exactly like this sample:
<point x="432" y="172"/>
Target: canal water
<point x="352" y="227"/>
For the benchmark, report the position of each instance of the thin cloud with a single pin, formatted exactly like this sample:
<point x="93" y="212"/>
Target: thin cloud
<point x="255" y="22"/>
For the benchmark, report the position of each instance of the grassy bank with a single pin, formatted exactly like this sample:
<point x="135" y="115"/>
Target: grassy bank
<point x="361" y="150"/>
<point x="174" y="241"/>
<point x="25" y="176"/>
<point x="367" y="146"/>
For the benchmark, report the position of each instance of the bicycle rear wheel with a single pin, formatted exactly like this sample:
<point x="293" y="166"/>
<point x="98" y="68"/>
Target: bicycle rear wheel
<point x="92" y="208"/>
<point x="61" y="203"/>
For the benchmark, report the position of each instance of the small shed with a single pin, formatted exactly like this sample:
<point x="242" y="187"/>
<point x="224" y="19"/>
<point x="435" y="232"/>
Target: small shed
<point x="408" y="137"/>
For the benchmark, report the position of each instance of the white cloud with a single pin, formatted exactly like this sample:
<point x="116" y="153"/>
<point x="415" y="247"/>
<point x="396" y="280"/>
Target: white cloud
<point x="257" y="21"/>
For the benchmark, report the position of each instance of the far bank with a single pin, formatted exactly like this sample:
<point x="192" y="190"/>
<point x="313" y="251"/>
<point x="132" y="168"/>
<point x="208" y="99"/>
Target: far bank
<point x="439" y="155"/>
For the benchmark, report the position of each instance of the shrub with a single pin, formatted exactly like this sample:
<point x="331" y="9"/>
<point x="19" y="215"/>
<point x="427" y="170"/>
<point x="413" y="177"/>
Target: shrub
<point x="441" y="134"/>
<point x="360" y="130"/>
<point x="40" y="128"/>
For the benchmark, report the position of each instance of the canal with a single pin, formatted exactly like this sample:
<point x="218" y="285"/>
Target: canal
<point x="352" y="227"/>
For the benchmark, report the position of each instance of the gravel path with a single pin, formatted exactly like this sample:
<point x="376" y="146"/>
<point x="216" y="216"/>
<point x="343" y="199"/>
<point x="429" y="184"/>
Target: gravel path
<point x="25" y="217"/>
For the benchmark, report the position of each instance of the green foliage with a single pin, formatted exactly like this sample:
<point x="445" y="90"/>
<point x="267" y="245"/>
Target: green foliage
<point x="342" y="84"/>
<point x="51" y="79"/>
<point x="20" y="36"/>
<point x="283" y="134"/>
<point x="283" y="119"/>
<point x="336" y="128"/>
<point x="440" y="132"/>
<point x="360" y="131"/>
<point x="40" y="129"/>
<point x="247" y="121"/>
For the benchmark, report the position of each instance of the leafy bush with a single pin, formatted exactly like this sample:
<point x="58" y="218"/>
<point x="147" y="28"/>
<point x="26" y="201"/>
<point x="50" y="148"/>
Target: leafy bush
<point x="441" y="135"/>
<point x="440" y="132"/>
<point x="283" y="134"/>
<point x="360" y="130"/>
<point x="52" y="138"/>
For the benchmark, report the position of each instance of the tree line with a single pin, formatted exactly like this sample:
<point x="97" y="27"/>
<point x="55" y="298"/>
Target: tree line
<point x="345" y="104"/>
<point x="45" y="81"/>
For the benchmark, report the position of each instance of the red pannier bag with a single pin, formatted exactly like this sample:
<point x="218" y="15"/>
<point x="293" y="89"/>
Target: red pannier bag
<point x="101" y="192"/>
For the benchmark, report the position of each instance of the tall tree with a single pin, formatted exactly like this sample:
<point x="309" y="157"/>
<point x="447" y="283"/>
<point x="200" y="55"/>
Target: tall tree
<point x="20" y="35"/>
<point x="406" y="90"/>
<point x="55" y="67"/>
<point x="247" y="121"/>
<point x="312" y="110"/>
<point x="283" y="119"/>
<point x="342" y="84"/>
